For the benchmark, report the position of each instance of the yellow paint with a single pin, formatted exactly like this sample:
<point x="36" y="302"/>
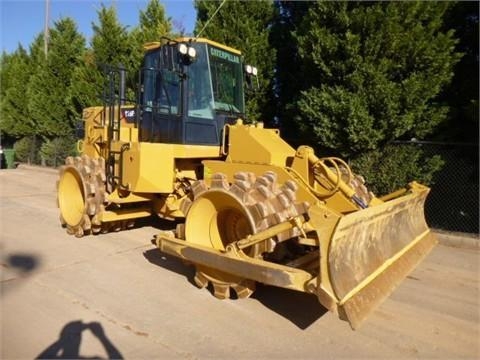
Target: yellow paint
<point x="116" y="198"/>
<point x="126" y="214"/>
<point x="157" y="178"/>
<point x="156" y="44"/>
<point x="382" y="268"/>
<point x="150" y="167"/>
<point x="71" y="200"/>
<point x="249" y="144"/>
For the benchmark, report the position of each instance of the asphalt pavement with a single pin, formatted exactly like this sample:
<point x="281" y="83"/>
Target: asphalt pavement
<point x="116" y="296"/>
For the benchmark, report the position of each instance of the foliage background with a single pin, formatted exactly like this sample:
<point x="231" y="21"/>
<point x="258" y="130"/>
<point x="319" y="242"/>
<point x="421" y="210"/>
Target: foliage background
<point x="347" y="78"/>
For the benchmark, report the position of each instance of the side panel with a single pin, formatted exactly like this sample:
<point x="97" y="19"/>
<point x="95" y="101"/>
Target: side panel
<point x="257" y="145"/>
<point x="95" y="142"/>
<point x="150" y="167"/>
<point x="96" y="132"/>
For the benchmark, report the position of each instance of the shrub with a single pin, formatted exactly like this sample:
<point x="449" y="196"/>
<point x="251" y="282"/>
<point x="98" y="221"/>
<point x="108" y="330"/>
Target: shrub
<point x="394" y="167"/>
<point x="27" y="149"/>
<point x="54" y="152"/>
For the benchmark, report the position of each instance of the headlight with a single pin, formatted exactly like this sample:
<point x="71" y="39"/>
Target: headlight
<point x="254" y="71"/>
<point x="182" y="49"/>
<point x="248" y="69"/>
<point x="192" y="52"/>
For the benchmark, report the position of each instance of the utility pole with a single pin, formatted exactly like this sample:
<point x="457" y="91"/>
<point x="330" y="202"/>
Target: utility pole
<point x="45" y="30"/>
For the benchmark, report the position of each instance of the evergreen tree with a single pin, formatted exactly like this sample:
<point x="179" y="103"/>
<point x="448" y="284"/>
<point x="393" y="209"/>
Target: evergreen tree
<point x="368" y="74"/>
<point x="462" y="94"/>
<point x="16" y="121"/>
<point x="110" y="39"/>
<point x="245" y="25"/>
<point x="87" y="82"/>
<point x="16" y="71"/>
<point x="393" y="166"/>
<point x="372" y="72"/>
<point x="153" y="25"/>
<point x="110" y="46"/>
<point x="49" y="103"/>
<point x="5" y="74"/>
<point x="289" y="15"/>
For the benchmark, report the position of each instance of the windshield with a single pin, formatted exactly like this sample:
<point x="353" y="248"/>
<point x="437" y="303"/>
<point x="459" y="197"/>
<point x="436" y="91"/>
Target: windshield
<point x="215" y="83"/>
<point x="227" y="81"/>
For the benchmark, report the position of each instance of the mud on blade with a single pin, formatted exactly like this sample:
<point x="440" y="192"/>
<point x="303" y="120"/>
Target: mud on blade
<point x="373" y="250"/>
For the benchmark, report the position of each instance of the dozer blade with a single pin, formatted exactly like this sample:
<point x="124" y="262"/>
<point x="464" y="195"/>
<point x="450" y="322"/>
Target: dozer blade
<point x="374" y="249"/>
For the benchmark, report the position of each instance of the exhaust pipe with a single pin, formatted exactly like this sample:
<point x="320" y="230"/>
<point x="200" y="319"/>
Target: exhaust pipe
<point x="122" y="84"/>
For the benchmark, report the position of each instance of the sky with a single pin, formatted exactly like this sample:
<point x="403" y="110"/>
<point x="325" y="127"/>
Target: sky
<point x="22" y="20"/>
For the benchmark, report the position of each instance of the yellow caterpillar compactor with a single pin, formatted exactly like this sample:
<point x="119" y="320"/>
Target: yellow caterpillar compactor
<point x="248" y="208"/>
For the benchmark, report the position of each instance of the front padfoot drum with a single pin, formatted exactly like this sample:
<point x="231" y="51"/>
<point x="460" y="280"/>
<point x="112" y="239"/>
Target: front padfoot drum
<point x="227" y="212"/>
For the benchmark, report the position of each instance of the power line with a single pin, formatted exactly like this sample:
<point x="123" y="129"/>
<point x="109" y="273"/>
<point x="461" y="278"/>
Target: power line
<point x="215" y="13"/>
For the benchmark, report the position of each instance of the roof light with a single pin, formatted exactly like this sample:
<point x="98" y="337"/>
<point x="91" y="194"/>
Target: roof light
<point x="182" y="49"/>
<point x="192" y="52"/>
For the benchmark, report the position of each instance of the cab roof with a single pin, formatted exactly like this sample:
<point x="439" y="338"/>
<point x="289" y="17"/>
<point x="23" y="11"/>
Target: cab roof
<point x="156" y="44"/>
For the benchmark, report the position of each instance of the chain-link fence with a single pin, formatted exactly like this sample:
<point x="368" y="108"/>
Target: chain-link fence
<point x="453" y="203"/>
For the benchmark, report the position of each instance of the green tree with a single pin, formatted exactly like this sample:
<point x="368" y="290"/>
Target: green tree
<point x="16" y="121"/>
<point x="288" y="82"/>
<point x="372" y="72"/>
<point x="369" y="73"/>
<point x="153" y="25"/>
<point x="244" y="25"/>
<point x="87" y="82"/>
<point x="54" y="152"/>
<point x="16" y="69"/>
<point x="5" y="75"/>
<point x="27" y="149"/>
<point x="393" y="166"/>
<point x="110" y="38"/>
<point x="462" y="94"/>
<point x="48" y="91"/>
<point x="110" y="46"/>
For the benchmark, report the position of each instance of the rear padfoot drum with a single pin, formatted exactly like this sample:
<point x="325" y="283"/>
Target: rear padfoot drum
<point x="81" y="196"/>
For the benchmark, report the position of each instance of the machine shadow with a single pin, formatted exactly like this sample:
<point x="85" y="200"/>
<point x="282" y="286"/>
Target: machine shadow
<point x="299" y="308"/>
<point x="156" y="222"/>
<point x="68" y="344"/>
<point x="170" y="263"/>
<point x="151" y="221"/>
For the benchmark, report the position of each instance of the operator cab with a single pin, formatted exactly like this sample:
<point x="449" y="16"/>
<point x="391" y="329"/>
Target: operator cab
<point x="190" y="88"/>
